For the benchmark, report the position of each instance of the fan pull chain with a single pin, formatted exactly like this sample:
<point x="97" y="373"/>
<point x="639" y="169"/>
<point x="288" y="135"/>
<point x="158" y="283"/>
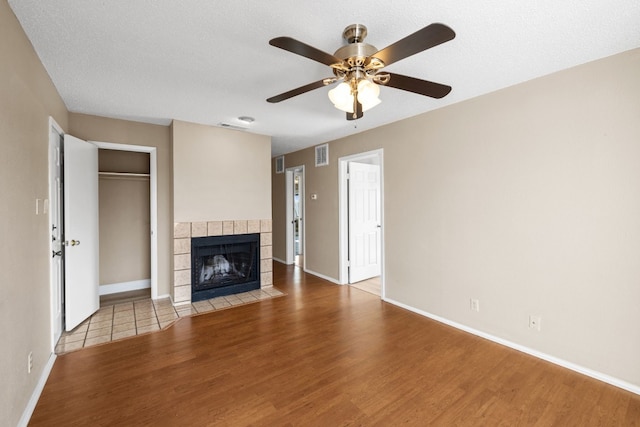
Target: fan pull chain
<point x="354" y="92"/>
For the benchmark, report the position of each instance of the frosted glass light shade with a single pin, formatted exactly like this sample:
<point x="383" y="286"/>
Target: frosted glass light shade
<point x="347" y="106"/>
<point x="368" y="94"/>
<point x="341" y="94"/>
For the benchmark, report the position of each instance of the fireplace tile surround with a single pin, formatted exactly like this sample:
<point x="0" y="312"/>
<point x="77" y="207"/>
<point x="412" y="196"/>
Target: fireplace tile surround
<point x="184" y="231"/>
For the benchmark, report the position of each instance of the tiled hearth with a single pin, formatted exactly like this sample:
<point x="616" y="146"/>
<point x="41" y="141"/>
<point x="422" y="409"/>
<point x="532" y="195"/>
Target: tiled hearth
<point x="184" y="231"/>
<point x="128" y="319"/>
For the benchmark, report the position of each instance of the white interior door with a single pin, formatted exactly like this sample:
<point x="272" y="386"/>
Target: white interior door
<point x="298" y="207"/>
<point x="55" y="217"/>
<point x="81" y="230"/>
<point x="364" y="221"/>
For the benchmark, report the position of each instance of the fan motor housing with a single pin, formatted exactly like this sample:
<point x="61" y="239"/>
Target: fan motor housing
<point x="355" y="50"/>
<point x="356" y="53"/>
<point x="355" y="33"/>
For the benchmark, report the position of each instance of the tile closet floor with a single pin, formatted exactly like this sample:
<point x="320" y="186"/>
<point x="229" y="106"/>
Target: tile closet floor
<point x="127" y="319"/>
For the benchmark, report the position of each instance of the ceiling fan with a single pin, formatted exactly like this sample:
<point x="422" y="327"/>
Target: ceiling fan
<point x="358" y="65"/>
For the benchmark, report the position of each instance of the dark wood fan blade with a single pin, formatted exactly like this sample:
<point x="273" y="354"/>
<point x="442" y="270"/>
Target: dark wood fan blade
<point x="297" y="91"/>
<point x="358" y="113"/>
<point x="295" y="46"/>
<point x="428" y="37"/>
<point x="422" y="87"/>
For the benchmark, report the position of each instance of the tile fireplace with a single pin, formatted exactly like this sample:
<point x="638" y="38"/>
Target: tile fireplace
<point x="216" y="258"/>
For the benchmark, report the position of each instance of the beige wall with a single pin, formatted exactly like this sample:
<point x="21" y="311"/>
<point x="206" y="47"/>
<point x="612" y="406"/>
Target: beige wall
<point x="527" y="199"/>
<point x="125" y="241"/>
<point x="220" y="174"/>
<point x="123" y="161"/>
<point x="102" y="129"/>
<point x="27" y="99"/>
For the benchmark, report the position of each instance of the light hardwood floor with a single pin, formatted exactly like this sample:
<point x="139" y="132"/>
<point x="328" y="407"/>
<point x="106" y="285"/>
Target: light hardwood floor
<point x="324" y="355"/>
<point x="373" y="286"/>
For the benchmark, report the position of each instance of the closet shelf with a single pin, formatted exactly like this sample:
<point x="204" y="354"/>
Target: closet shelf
<point x="124" y="174"/>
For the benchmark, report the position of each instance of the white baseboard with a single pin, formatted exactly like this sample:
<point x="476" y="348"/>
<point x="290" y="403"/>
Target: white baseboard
<point x="33" y="400"/>
<point x="560" y="362"/>
<point x="322" y="276"/>
<point x="279" y="260"/>
<point x="134" y="285"/>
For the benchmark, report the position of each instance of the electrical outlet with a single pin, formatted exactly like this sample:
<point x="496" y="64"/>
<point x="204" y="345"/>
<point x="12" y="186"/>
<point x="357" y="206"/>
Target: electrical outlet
<point x="29" y="362"/>
<point x="475" y="305"/>
<point x="535" y="322"/>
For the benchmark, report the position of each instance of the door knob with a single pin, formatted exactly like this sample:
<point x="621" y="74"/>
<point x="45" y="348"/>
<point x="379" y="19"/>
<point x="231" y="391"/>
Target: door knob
<point x="73" y="243"/>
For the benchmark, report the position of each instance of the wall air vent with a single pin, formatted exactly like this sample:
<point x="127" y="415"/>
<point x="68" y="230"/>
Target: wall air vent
<point x="322" y="155"/>
<point x="230" y="126"/>
<point x="280" y="164"/>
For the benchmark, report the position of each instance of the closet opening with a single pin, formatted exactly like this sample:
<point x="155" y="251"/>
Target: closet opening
<point x="125" y="226"/>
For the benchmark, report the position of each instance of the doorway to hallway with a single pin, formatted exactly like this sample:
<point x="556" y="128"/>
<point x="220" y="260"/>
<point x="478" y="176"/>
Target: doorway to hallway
<point x="361" y="221"/>
<point x="295" y="235"/>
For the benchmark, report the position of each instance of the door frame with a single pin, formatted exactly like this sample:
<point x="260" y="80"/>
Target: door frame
<point x="153" y="196"/>
<point x="343" y="208"/>
<point x="153" y="187"/>
<point x="56" y="288"/>
<point x="289" y="234"/>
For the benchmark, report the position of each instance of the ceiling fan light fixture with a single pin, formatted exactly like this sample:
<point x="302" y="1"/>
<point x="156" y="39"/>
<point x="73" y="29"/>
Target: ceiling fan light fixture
<point x="368" y="93"/>
<point x="341" y="95"/>
<point x="357" y="66"/>
<point x="369" y="105"/>
<point x="347" y="107"/>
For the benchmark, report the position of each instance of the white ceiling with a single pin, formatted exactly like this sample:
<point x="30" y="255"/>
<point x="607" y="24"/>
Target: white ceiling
<point x="209" y="61"/>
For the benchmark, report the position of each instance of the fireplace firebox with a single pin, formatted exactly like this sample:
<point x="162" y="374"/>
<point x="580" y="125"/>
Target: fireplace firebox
<point x="224" y="265"/>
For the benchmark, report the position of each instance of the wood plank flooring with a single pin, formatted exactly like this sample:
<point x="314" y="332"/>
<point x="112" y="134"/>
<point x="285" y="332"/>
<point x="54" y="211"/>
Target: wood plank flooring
<point x="324" y="355"/>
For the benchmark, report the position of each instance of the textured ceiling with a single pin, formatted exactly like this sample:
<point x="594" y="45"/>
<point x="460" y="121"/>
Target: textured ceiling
<point x="209" y="61"/>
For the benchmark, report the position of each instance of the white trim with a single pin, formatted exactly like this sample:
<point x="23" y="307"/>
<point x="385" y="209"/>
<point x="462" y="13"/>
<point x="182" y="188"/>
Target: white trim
<point x="280" y="260"/>
<point x="289" y="247"/>
<point x="37" y="391"/>
<point x="179" y="304"/>
<point x="556" y="361"/>
<point x="322" y="276"/>
<point x="134" y="285"/>
<point x="153" y="196"/>
<point x="55" y="125"/>
<point x="288" y="217"/>
<point x="343" y="235"/>
<point x="153" y="220"/>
